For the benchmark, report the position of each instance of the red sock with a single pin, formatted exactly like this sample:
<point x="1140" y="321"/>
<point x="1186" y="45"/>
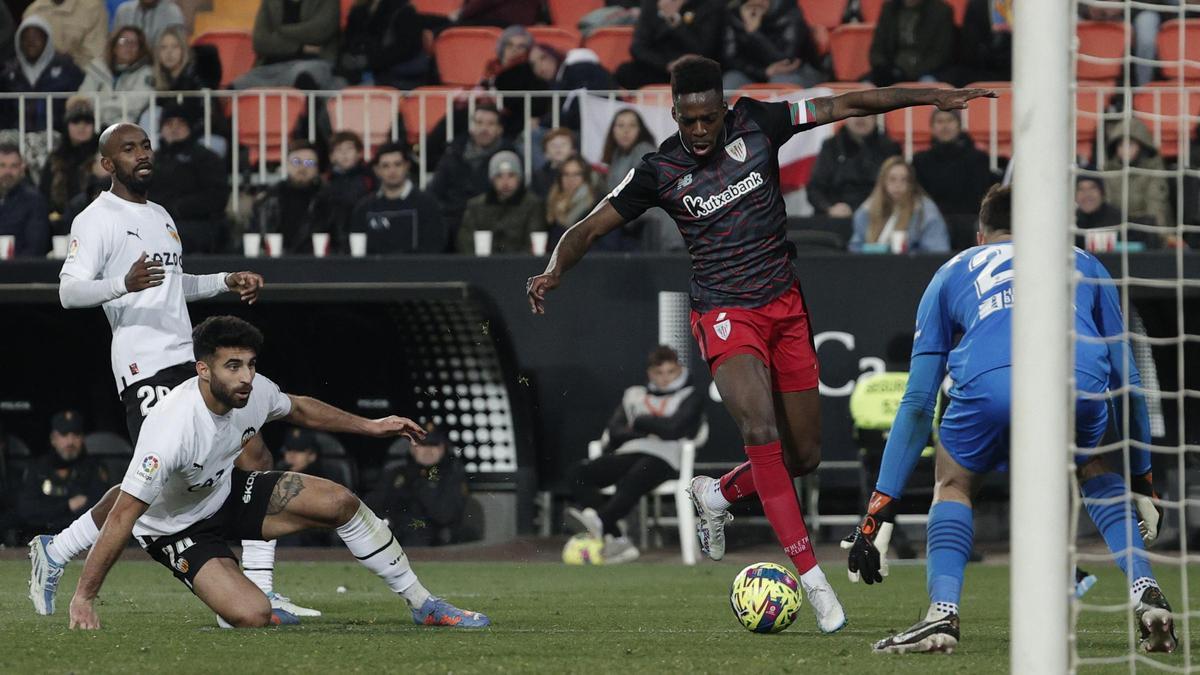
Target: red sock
<point x="738" y="483"/>
<point x="782" y="507"/>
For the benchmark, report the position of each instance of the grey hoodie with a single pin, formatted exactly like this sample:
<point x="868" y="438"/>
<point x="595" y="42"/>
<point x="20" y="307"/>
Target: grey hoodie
<point x="33" y="71"/>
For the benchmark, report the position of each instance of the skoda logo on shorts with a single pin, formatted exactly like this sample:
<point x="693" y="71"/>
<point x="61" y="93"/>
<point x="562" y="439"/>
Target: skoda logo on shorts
<point x="249" y="487"/>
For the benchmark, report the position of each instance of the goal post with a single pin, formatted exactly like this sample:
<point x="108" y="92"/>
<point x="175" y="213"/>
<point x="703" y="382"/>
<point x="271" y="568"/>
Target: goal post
<point x="1043" y="211"/>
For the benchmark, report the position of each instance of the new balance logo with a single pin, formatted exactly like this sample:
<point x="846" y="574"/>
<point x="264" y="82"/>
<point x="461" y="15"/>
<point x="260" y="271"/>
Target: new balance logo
<point x="705" y="206"/>
<point x="684" y="182"/>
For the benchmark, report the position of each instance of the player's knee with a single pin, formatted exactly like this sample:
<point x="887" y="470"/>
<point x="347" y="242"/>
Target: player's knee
<point x="803" y="465"/>
<point x="257" y="616"/>
<point x="759" y="433"/>
<point x="346" y="504"/>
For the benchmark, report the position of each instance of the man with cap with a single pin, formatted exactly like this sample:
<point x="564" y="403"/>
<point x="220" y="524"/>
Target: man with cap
<point x="69" y="168"/>
<point x="424" y="498"/>
<point x="36" y="67"/>
<point x="462" y="172"/>
<point x="399" y="217"/>
<point x="61" y="484"/>
<point x="191" y="183"/>
<point x="507" y="209"/>
<point x="302" y="454"/>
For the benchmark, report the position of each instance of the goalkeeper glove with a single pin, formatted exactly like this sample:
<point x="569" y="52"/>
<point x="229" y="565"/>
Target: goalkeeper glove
<point x="868" y="544"/>
<point x="1149" y="514"/>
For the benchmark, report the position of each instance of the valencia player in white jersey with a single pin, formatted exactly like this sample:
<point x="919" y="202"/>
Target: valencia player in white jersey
<point x="183" y="497"/>
<point x="125" y="256"/>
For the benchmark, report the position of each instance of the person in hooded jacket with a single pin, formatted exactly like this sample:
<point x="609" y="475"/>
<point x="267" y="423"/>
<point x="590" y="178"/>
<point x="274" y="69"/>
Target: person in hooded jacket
<point x="953" y="172"/>
<point x="1149" y="199"/>
<point x="36" y="67"/>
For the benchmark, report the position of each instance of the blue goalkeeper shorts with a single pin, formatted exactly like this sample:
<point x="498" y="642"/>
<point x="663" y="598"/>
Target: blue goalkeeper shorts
<point x="975" y="428"/>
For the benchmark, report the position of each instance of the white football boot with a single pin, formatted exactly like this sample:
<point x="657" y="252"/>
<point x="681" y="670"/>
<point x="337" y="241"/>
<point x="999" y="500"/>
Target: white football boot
<point x="830" y="616"/>
<point x="285" y="603"/>
<point x="44" y="574"/>
<point x="710" y="523"/>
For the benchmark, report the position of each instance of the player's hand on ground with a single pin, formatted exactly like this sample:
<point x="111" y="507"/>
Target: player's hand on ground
<point x="1149" y="513"/>
<point x="956" y="99"/>
<point x="387" y="427"/>
<point x="246" y="285"/>
<point x="83" y="614"/>
<point x="868" y="544"/>
<point x="536" y="289"/>
<point x="143" y="274"/>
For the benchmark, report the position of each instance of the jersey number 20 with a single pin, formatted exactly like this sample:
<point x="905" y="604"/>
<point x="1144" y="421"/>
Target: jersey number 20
<point x="149" y="395"/>
<point x="987" y="279"/>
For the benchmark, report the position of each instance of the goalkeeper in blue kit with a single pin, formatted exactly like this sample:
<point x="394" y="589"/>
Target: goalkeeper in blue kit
<point x="970" y="298"/>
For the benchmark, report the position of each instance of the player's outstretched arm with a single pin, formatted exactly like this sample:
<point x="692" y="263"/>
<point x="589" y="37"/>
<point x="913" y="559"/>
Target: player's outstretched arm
<point x="877" y="101"/>
<point x="313" y="414"/>
<point x="202" y="286"/>
<point x="116" y="531"/>
<point x="570" y="250"/>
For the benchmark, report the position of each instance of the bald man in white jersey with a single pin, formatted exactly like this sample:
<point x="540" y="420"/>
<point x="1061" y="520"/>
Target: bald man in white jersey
<point x="125" y="256"/>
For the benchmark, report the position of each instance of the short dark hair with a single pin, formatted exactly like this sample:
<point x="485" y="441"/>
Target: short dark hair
<point x="10" y="149"/>
<point x="486" y="106"/>
<point x="389" y="148"/>
<point x="692" y="74"/>
<point x="224" y="331"/>
<point x="662" y="354"/>
<point x="995" y="214"/>
<point x="295" y="144"/>
<point x="346" y="137"/>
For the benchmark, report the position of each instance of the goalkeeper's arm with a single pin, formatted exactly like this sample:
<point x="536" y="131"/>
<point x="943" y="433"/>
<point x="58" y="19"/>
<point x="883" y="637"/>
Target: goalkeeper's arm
<point x="1141" y="476"/>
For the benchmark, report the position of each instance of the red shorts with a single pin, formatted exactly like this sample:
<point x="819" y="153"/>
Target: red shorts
<point x="778" y="334"/>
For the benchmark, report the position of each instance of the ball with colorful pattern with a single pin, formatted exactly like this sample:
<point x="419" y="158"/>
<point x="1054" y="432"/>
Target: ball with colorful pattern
<point x="765" y="597"/>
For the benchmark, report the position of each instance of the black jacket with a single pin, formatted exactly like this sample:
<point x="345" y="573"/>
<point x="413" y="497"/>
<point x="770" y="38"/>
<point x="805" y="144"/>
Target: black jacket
<point x="67" y="172"/>
<point x="783" y="35"/>
<point x="295" y="212"/>
<point x="956" y="175"/>
<point x="23" y="214"/>
<point x="932" y="40"/>
<point x="191" y="183"/>
<point x="458" y="179"/>
<point x="377" y="41"/>
<point x="343" y="192"/>
<point x="846" y="170"/>
<point x="657" y="44"/>
<point x="381" y="218"/>
<point x="429" y="499"/>
<point x="43" y="499"/>
<point x="60" y="75"/>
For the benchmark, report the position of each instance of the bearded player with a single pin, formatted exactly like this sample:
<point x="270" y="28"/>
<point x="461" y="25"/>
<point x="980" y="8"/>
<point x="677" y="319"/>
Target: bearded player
<point x="719" y="180"/>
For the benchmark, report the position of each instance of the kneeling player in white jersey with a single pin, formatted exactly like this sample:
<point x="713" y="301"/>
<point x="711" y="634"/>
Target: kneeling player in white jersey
<point x="126" y="256"/>
<point x="183" y="498"/>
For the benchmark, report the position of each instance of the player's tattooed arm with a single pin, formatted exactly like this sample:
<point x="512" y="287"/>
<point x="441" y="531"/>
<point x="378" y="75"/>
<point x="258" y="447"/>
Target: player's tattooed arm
<point x="877" y="101"/>
<point x="570" y="250"/>
<point x="290" y="485"/>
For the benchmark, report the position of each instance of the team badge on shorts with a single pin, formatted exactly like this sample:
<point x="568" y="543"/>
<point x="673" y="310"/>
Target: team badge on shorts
<point x="737" y="150"/>
<point x="181" y="564"/>
<point x="722" y="326"/>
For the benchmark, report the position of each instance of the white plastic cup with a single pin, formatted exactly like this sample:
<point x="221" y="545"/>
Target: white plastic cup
<point x="1100" y="241"/>
<point x="538" y="241"/>
<point x="358" y="244"/>
<point x="320" y="241"/>
<point x="274" y="244"/>
<point x="8" y="246"/>
<point x="252" y="244"/>
<point x="58" y="245"/>
<point x="898" y="242"/>
<point x="483" y="242"/>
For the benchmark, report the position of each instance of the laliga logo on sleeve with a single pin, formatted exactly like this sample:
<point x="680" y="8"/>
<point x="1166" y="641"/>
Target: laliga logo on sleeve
<point x="737" y="150"/>
<point x="722" y="327"/>
<point x="148" y="468"/>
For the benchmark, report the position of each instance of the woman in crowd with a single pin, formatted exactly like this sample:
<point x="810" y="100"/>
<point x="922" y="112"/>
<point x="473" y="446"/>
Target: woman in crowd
<point x="898" y="216"/>
<point x="557" y="145"/>
<point x="122" y="81"/>
<point x="571" y="197"/>
<point x="627" y="141"/>
<point x="69" y="167"/>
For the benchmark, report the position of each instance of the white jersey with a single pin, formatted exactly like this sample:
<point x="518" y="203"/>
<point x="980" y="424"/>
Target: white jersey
<point x="183" y="464"/>
<point x="151" y="329"/>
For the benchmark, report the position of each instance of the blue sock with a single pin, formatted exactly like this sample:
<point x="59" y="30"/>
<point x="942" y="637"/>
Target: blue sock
<point x="951" y="531"/>
<point x="1117" y="523"/>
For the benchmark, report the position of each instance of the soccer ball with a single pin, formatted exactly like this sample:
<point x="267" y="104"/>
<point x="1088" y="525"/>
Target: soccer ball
<point x="583" y="549"/>
<point x="765" y="597"/>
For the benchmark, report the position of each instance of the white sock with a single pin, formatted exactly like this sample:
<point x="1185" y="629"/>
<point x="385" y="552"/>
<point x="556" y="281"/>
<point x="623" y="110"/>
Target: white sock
<point x="813" y="578"/>
<point x="77" y="538"/>
<point x="1139" y="586"/>
<point x="370" y="540"/>
<point x="258" y="562"/>
<point x="938" y="610"/>
<point x="713" y="498"/>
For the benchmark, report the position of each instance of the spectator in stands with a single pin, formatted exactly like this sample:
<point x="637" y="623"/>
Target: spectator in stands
<point x="498" y="13"/>
<point x="22" y="208"/>
<point x="667" y="30"/>
<point x="462" y="172"/>
<point x="302" y="454"/>
<point x="580" y="69"/>
<point x="176" y="70"/>
<point x="152" y="17"/>
<point x="898" y="216"/>
<point x="768" y="41"/>
<point x="953" y="171"/>
<point x="641" y="450"/>
<point x="384" y="43"/>
<point x="507" y="209"/>
<point x="350" y="179"/>
<point x="78" y="27"/>
<point x="35" y="67"/>
<point x="70" y="165"/>
<point x="1149" y="199"/>
<point x="557" y="146"/>
<point x="296" y="42"/>
<point x="295" y="207"/>
<point x="573" y="194"/>
<point x="399" y="218"/>
<point x="191" y="182"/>
<point x="98" y="181"/>
<point x="1091" y="210"/>
<point x="425" y="497"/>
<point x="123" y="80"/>
<point x="614" y="13"/>
<point x="627" y="141"/>
<point x="847" y="167"/>
<point x="512" y="48"/>
<point x="512" y="70"/>
<point x="984" y="50"/>
<point x="913" y="41"/>
<point x="64" y="483"/>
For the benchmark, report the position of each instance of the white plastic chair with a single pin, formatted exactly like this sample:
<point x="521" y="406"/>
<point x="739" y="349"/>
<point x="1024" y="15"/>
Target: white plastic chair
<point x="685" y="514"/>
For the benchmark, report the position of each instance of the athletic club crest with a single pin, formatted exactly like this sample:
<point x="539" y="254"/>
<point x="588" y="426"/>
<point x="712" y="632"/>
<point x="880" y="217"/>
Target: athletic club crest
<point x="722" y="326"/>
<point x="737" y="150"/>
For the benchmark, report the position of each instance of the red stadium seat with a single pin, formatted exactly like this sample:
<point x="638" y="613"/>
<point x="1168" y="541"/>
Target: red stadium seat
<point x="267" y="115"/>
<point x="567" y="13"/>
<point x="437" y="7"/>
<point x="368" y="111"/>
<point x="1168" y="48"/>
<point x="1162" y="109"/>
<point x="960" y="10"/>
<point x="345" y="12"/>
<point x="434" y="99"/>
<point x="983" y="115"/>
<point x="897" y="123"/>
<point x="824" y="13"/>
<point x="1101" y="50"/>
<point x="235" y="48"/>
<point x="1090" y="103"/>
<point x="611" y="44"/>
<point x="871" y="9"/>
<point x="820" y="36"/>
<point x="850" y="46"/>
<point x="561" y="38"/>
<point x="462" y="54"/>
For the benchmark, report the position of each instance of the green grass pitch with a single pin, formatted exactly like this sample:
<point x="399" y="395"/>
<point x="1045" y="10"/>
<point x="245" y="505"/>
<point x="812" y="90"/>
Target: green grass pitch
<point x="547" y="618"/>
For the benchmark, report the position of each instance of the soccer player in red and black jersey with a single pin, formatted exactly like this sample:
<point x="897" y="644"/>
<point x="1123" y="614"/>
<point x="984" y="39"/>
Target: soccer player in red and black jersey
<point x="719" y="180"/>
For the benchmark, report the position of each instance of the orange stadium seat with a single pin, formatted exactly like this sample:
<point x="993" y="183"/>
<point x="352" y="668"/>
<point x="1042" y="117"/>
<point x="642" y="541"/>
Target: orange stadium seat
<point x="434" y="98"/>
<point x="345" y="12"/>
<point x="1100" y="40"/>
<point x="235" y="48"/>
<point x="985" y="114"/>
<point x="820" y="36"/>
<point x="825" y="13"/>
<point x="280" y="108"/>
<point x="871" y="9"/>
<point x="611" y="44"/>
<point x="960" y="10"/>
<point x="1090" y="103"/>
<point x="561" y="38"/>
<point x="1161" y="108"/>
<point x="1168" y="48"/>
<point x="850" y="46"/>
<point x="567" y="13"/>
<point x="368" y="111"/>
<point x="438" y="7"/>
<point x="462" y="54"/>
<point x="898" y="122"/>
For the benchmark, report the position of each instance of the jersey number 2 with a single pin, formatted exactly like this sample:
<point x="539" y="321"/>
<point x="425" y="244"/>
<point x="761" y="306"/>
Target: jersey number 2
<point x="150" y="395"/>
<point x="988" y="279"/>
